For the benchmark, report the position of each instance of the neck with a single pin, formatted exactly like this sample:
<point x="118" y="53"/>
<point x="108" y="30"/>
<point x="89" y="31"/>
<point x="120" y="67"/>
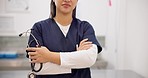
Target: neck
<point x="63" y="19"/>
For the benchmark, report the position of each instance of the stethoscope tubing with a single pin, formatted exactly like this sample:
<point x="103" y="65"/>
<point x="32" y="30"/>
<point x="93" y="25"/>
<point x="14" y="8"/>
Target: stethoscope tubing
<point x="28" y="45"/>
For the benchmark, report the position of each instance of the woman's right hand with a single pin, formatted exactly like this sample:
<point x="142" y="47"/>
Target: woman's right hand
<point x="84" y="45"/>
<point x="39" y="54"/>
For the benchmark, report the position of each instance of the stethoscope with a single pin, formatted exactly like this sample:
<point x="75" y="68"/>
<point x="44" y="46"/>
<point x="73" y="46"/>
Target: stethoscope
<point x="32" y="75"/>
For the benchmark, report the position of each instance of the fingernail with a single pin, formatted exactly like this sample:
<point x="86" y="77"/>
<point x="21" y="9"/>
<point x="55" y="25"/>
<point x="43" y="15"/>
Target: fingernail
<point x="86" y="38"/>
<point x="77" y="45"/>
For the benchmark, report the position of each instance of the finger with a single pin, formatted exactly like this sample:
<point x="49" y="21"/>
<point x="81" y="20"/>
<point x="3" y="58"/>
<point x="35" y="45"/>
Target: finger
<point x="84" y="40"/>
<point x="38" y="46"/>
<point x="31" y="49"/>
<point x="85" y="47"/>
<point x="33" y="57"/>
<point x="33" y="61"/>
<point x="32" y="53"/>
<point x="86" y="43"/>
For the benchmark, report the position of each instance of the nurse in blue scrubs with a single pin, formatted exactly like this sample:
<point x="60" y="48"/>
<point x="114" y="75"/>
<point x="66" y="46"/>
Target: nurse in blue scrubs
<point x="68" y="45"/>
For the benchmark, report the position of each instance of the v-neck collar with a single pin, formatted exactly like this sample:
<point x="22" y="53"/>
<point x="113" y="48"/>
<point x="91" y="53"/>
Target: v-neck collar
<point x="70" y="28"/>
<point x="64" y="29"/>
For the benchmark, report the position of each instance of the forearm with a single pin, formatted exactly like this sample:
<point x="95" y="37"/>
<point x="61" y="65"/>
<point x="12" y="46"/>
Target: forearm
<point x="54" y="58"/>
<point x="78" y="59"/>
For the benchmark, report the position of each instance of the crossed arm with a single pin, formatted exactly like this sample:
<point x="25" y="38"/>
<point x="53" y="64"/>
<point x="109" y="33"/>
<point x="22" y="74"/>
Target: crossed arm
<point x="85" y="56"/>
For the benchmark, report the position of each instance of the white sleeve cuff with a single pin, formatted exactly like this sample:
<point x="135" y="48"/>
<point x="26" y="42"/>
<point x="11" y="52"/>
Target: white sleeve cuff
<point x="79" y="59"/>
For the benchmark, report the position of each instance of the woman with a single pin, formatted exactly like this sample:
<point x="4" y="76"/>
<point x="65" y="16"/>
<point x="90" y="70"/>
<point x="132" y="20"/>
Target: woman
<point x="69" y="46"/>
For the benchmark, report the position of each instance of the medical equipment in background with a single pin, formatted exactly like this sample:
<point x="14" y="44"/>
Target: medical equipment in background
<point x="32" y="75"/>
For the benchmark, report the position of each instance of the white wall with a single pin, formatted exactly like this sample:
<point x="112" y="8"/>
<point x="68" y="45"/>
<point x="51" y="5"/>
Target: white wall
<point x="110" y="52"/>
<point x="137" y="36"/>
<point x="38" y="10"/>
<point x="132" y="46"/>
<point x="95" y="12"/>
<point x="121" y="33"/>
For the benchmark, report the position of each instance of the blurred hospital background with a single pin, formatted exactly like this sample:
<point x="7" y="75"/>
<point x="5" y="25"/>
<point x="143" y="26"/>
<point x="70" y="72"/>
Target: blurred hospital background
<point x="121" y="26"/>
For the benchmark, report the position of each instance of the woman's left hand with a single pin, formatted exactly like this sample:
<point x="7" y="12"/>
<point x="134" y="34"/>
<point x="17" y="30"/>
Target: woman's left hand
<point x="84" y="45"/>
<point x="40" y="55"/>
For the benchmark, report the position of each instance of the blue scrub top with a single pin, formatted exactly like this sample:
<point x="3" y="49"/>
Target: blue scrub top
<point x="49" y="35"/>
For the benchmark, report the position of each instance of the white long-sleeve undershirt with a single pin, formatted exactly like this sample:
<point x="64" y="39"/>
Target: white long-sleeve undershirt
<point x="79" y="59"/>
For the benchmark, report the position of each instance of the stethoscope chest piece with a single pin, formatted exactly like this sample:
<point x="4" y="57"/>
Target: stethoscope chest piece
<point x="31" y="75"/>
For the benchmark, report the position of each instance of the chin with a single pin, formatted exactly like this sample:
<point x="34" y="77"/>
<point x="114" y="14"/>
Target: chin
<point x="66" y="11"/>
